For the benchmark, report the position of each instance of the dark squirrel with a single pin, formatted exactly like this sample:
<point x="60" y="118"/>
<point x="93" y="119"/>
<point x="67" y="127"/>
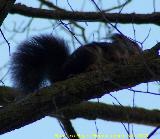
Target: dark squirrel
<point x="46" y="57"/>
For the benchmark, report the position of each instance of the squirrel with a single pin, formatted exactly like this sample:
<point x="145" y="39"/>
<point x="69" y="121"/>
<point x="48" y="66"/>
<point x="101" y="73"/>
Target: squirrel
<point x="47" y="58"/>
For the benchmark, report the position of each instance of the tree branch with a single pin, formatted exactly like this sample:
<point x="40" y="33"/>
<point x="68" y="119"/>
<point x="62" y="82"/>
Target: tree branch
<point x="5" y="7"/>
<point x="68" y="128"/>
<point x="94" y="110"/>
<point x="152" y="18"/>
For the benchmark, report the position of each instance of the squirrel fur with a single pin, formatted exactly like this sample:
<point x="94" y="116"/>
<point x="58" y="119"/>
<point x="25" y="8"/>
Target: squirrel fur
<point x="46" y="57"/>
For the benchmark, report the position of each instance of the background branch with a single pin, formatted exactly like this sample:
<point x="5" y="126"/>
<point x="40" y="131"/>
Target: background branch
<point x="152" y="18"/>
<point x="94" y="110"/>
<point x="5" y="7"/>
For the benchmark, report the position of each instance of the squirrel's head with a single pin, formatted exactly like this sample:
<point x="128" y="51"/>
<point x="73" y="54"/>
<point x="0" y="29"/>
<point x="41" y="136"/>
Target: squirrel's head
<point x="126" y="42"/>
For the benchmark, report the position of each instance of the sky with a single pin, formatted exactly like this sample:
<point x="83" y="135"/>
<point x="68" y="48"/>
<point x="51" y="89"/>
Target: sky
<point x="48" y="127"/>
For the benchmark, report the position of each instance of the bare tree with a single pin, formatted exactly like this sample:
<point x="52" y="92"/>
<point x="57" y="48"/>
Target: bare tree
<point x="68" y="99"/>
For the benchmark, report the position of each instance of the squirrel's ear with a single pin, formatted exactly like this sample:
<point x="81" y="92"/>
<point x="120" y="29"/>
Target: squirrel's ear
<point x="117" y="37"/>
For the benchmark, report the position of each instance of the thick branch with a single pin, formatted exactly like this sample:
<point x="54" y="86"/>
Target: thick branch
<point x="93" y="111"/>
<point x="8" y="95"/>
<point x="69" y="129"/>
<point x="153" y="18"/>
<point x="80" y="88"/>
<point x="5" y="7"/>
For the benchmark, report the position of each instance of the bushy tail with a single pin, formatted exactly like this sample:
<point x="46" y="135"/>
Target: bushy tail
<point x="36" y="60"/>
